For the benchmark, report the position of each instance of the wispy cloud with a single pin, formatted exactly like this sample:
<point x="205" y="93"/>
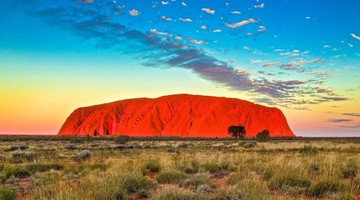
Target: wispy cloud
<point x="352" y="114"/>
<point x="355" y="36"/>
<point x="338" y="120"/>
<point x="208" y="10"/>
<point x="242" y="23"/>
<point x="134" y="12"/>
<point x="262" y="5"/>
<point x="186" y="19"/>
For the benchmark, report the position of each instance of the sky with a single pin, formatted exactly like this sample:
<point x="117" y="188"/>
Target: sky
<point x="301" y="56"/>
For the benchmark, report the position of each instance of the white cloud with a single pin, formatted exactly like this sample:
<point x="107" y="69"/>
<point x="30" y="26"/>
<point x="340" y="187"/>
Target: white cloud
<point x="164" y="2"/>
<point x="164" y="18"/>
<point x="355" y="36"/>
<point x="203" y="27"/>
<point x="134" y="12"/>
<point x="158" y="32"/>
<point x="242" y="23"/>
<point x="269" y="64"/>
<point x="186" y="19"/>
<point x="262" y="5"/>
<point x="178" y="38"/>
<point x="208" y="10"/>
<point x="262" y="29"/>
<point x="183" y="4"/>
<point x="217" y="30"/>
<point x="307" y="18"/>
<point x="235" y="12"/>
<point x="256" y="61"/>
<point x="196" y="41"/>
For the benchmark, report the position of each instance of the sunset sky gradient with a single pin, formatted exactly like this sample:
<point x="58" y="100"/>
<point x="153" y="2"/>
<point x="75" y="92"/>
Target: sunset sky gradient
<point x="300" y="56"/>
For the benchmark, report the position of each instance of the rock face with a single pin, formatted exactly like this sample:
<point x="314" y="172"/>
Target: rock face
<point x="176" y="115"/>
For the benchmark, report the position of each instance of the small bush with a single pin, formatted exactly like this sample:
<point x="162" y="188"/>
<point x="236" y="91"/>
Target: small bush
<point x="200" y="179"/>
<point x="183" y="145"/>
<point x="136" y="182"/>
<point x="203" y="188"/>
<point x="171" y="149"/>
<point x="212" y="167"/>
<point x="153" y="166"/>
<point x="13" y="147"/>
<point x="308" y="149"/>
<point x="19" y="155"/>
<point x="70" y="146"/>
<point x="77" y="140"/>
<point x="142" y="193"/>
<point x="175" y="193"/>
<point x="291" y="183"/>
<point x="23" y="146"/>
<point x="122" y="139"/>
<point x="42" y="167"/>
<point x="263" y="135"/>
<point x="84" y="154"/>
<point x="237" y="177"/>
<point x="171" y="177"/>
<point x="17" y="172"/>
<point x="7" y="193"/>
<point x="326" y="187"/>
<point x="349" y="169"/>
<point x="228" y="194"/>
<point x="249" y="145"/>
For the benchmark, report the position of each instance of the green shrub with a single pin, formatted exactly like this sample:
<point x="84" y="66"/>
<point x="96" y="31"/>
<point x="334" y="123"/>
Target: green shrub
<point x="237" y="177"/>
<point x="143" y="193"/>
<point x="136" y="182"/>
<point x="100" y="166"/>
<point x="290" y="183"/>
<point x="326" y="187"/>
<point x="212" y="167"/>
<point x="175" y="193"/>
<point x="153" y="166"/>
<point x="48" y="178"/>
<point x="232" y="193"/>
<point x="308" y="149"/>
<point x="42" y="167"/>
<point x="17" y="172"/>
<point x="200" y="179"/>
<point x="7" y="193"/>
<point x="248" y="189"/>
<point x="171" y="177"/>
<point x="122" y="139"/>
<point x="349" y="169"/>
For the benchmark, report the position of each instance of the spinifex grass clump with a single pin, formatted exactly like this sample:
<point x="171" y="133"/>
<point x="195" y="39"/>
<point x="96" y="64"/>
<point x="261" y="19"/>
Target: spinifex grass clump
<point x="326" y="187"/>
<point x="171" y="177"/>
<point x="349" y="169"/>
<point x="153" y="165"/>
<point x="7" y="193"/>
<point x="136" y="182"/>
<point x="175" y="193"/>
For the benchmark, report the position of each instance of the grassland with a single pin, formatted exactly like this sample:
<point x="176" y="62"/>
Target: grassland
<point x="177" y="169"/>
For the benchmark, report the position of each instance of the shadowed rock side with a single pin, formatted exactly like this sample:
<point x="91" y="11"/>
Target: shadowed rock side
<point x="176" y="115"/>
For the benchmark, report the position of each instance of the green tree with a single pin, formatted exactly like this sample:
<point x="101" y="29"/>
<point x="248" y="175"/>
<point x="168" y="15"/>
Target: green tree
<point x="237" y="131"/>
<point x="263" y="135"/>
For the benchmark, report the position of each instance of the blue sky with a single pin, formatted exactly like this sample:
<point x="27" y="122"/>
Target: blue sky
<point x="301" y="56"/>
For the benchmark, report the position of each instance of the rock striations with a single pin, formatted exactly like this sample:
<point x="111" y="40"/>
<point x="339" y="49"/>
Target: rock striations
<point x="175" y="115"/>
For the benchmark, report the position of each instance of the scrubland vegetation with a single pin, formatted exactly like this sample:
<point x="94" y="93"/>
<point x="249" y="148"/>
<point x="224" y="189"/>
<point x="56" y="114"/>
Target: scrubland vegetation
<point x="116" y="169"/>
